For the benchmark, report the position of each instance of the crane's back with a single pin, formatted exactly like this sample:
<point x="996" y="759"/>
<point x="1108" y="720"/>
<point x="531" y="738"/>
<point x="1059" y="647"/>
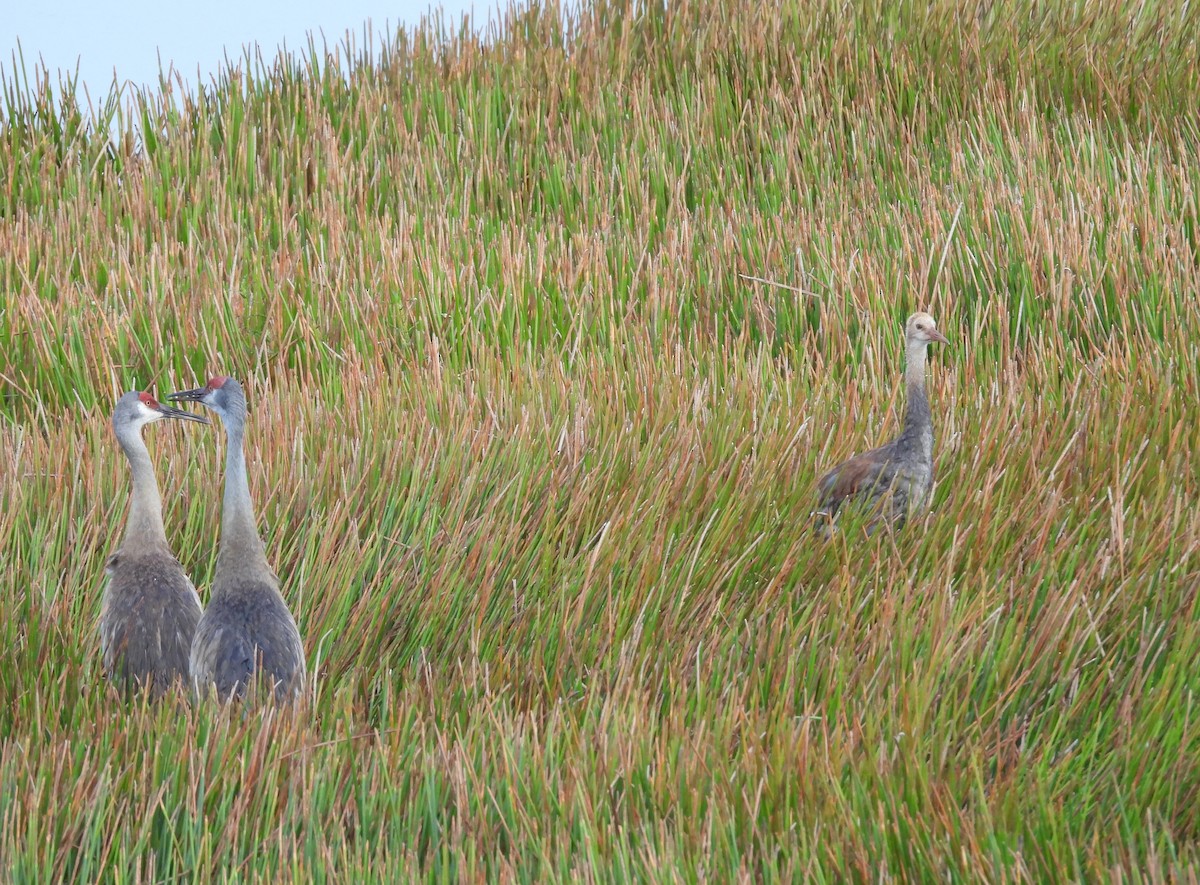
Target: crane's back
<point x="148" y="619"/>
<point x="885" y="484"/>
<point x="248" y="638"/>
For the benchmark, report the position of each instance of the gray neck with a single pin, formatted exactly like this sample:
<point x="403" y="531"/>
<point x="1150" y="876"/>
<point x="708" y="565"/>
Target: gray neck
<point x="917" y="421"/>
<point x="145" y="523"/>
<point x="241" y="548"/>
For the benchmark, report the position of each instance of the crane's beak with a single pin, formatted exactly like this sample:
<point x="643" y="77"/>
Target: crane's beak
<point x="189" y="396"/>
<point x="171" y="412"/>
<point x="935" y="335"/>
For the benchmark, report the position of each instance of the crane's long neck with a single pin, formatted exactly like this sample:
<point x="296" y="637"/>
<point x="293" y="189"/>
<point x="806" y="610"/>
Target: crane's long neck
<point x="917" y="420"/>
<point x="145" y="523"/>
<point x="241" y="547"/>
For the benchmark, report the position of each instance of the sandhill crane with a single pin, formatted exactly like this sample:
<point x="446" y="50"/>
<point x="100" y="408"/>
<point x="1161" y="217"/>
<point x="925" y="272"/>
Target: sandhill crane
<point x="893" y="481"/>
<point x="150" y="609"/>
<point x="247" y="632"/>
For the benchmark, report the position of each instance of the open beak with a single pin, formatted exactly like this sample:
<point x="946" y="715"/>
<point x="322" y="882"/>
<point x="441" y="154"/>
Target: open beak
<point x="171" y="412"/>
<point x="188" y="396"/>
<point x="934" y="335"/>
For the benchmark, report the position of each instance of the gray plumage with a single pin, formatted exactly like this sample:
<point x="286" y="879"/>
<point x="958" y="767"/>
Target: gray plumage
<point x="247" y="633"/>
<point x="150" y="609"/>
<point x="892" y="482"/>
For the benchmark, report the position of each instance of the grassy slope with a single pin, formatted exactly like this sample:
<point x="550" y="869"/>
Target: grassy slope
<point x="535" y="461"/>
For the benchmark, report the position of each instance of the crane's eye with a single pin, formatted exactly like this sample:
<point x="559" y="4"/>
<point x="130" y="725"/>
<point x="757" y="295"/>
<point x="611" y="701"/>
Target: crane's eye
<point x="148" y="400"/>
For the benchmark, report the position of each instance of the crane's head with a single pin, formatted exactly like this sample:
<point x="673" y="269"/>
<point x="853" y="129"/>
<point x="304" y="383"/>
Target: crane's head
<point x="222" y="394"/>
<point x="921" y="329"/>
<point x="137" y="408"/>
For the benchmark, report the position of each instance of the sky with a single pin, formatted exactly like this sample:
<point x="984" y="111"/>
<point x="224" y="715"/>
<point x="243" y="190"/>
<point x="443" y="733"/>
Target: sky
<point x="130" y="36"/>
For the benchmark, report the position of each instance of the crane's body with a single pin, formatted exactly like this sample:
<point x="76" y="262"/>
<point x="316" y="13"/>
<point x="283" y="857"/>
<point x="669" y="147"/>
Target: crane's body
<point x="892" y="482"/>
<point x="150" y="608"/>
<point x="247" y="636"/>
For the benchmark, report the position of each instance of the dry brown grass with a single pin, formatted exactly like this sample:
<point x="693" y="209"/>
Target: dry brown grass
<point x="535" y="460"/>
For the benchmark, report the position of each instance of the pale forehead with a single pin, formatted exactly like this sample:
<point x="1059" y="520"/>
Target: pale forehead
<point x="921" y="317"/>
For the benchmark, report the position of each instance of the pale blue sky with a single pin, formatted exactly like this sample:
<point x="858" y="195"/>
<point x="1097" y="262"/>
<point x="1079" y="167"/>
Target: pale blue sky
<point x="130" y="35"/>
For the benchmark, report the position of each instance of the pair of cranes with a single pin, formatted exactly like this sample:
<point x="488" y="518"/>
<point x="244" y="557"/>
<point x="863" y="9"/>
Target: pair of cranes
<point x="152" y="629"/>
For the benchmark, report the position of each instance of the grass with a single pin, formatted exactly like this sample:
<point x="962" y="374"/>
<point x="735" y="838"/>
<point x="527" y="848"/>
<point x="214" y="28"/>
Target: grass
<point x="535" y="458"/>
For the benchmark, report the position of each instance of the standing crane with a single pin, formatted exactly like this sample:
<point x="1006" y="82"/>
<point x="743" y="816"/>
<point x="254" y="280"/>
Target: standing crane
<point x="247" y="632"/>
<point x="892" y="482"/>
<point x="150" y="609"/>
